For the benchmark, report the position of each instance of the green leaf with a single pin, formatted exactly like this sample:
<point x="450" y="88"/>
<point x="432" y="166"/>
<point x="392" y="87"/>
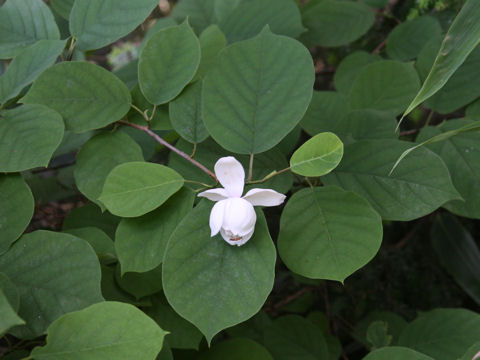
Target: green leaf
<point x="420" y="184"/>
<point x="472" y="353"/>
<point x="366" y="125"/>
<point x="140" y="284"/>
<point x="384" y="85"/>
<point x="396" y="353"/>
<point x="10" y="291"/>
<point x="140" y="242"/>
<point x="461" y="152"/>
<point x="86" y="95"/>
<point x="16" y="210"/>
<point x="251" y="16"/>
<point x="324" y="112"/>
<point x="135" y="188"/>
<point x="26" y="66"/>
<point x="458" y="252"/>
<point x="100" y="155"/>
<point x="96" y="24"/>
<point x="91" y="215"/>
<point x="128" y="73"/>
<point x="243" y="95"/>
<point x="201" y="276"/>
<point x="407" y="39"/>
<point x="160" y="24"/>
<point x="8" y="316"/>
<point x="336" y="23"/>
<point x="236" y="349"/>
<point x="182" y="334"/>
<point x="186" y="114"/>
<point x="161" y="119"/>
<point x="395" y="325"/>
<point x="212" y="41"/>
<point x="209" y="152"/>
<point x="111" y="291"/>
<point x="168" y="63"/>
<point x="24" y="22"/>
<point x="54" y="273"/>
<point x="443" y="334"/>
<point x="328" y="233"/>
<point x="349" y="69"/>
<point x="98" y="240"/>
<point x="318" y="156"/>
<point x="29" y="135"/>
<point x="377" y="335"/>
<point x="462" y="37"/>
<point x="292" y="337"/>
<point x="102" y="331"/>
<point x="62" y="7"/>
<point x="199" y="13"/>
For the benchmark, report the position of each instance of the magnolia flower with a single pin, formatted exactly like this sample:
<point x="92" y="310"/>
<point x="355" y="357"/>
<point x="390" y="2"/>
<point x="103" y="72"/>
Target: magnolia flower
<point x="233" y="215"/>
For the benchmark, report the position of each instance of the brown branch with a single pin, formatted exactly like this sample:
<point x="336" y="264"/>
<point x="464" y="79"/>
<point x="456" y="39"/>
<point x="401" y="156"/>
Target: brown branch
<point x="170" y="146"/>
<point x="292" y="297"/>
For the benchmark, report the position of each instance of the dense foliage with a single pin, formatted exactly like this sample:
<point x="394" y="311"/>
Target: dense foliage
<point x="354" y="124"/>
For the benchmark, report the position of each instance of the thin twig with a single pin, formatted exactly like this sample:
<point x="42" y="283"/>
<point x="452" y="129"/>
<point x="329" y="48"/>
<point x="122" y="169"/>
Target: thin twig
<point x="194" y="151"/>
<point x="292" y="297"/>
<point x="409" y="132"/>
<point x="379" y="47"/>
<point x="268" y="177"/>
<point x="250" y="168"/>
<point x="170" y="146"/>
<point x="71" y="49"/>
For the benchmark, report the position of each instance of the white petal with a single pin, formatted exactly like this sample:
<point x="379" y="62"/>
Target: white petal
<point x="264" y="197"/>
<point x="214" y="194"/>
<point x="216" y="217"/>
<point x="231" y="175"/>
<point x="236" y="241"/>
<point x="239" y="217"/>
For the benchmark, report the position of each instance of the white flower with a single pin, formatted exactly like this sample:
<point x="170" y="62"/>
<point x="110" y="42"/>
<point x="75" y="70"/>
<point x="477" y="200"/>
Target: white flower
<point x="233" y="215"/>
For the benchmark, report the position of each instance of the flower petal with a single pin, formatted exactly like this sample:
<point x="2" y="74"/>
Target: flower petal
<point x="264" y="197"/>
<point x="239" y="217"/>
<point x="236" y="241"/>
<point x="231" y="175"/>
<point x="216" y="217"/>
<point x="214" y="194"/>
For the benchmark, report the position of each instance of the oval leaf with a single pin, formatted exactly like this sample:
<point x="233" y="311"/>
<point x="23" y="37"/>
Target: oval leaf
<point x="246" y="108"/>
<point x="318" y="156"/>
<point x="168" y="62"/>
<point x="8" y="316"/>
<point x="16" y="210"/>
<point x="314" y="240"/>
<point x="29" y="135"/>
<point x="101" y="332"/>
<point x="236" y="349"/>
<point x="55" y="274"/>
<point x="396" y="353"/>
<point x="202" y="278"/>
<point x="135" y="188"/>
<point x="86" y="95"/>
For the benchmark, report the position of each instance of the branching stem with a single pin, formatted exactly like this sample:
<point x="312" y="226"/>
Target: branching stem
<point x="250" y="168"/>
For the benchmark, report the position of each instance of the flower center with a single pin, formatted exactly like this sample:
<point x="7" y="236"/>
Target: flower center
<point x="232" y="236"/>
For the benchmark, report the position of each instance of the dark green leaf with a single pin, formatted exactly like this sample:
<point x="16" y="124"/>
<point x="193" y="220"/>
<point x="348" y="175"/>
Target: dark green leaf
<point x="10" y="291"/>
<point x="396" y="353"/>
<point x="62" y="7"/>
<point x="349" y="69"/>
<point x="236" y="349"/>
<point x="8" y="316"/>
<point x="200" y="13"/>
<point x="212" y="41"/>
<point x="140" y="284"/>
<point x="98" y="240"/>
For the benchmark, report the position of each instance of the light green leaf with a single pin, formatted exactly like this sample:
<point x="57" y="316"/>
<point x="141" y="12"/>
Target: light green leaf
<point x="318" y="156"/>
<point x="62" y="7"/>
<point x="86" y="95"/>
<point x="98" y="240"/>
<point x="140" y="284"/>
<point x="200" y="13"/>
<point x="91" y="215"/>
<point x="209" y="152"/>
<point x="458" y="252"/>
<point x="251" y="16"/>
<point x="384" y="85"/>
<point x="54" y="273"/>
<point x="29" y="135"/>
<point x="140" y="242"/>
<point x="458" y="144"/>
<point x="22" y="23"/>
<point x="168" y="62"/>
<point x="8" y="316"/>
<point x="26" y="66"/>
<point x="135" y="188"/>
<point x="462" y="37"/>
<point x="396" y="353"/>
<point x="292" y="337"/>
<point x="16" y="209"/>
<point x="236" y="349"/>
<point x="186" y="114"/>
<point x="443" y="334"/>
<point x="407" y="39"/>
<point x="420" y="184"/>
<point x="96" y="24"/>
<point x="212" y="41"/>
<point x="182" y="334"/>
<point x="100" y="155"/>
<point x="336" y="23"/>
<point x="102" y="331"/>
<point x="246" y="109"/>
<point x="202" y="278"/>
<point x="349" y="69"/>
<point x="328" y="233"/>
